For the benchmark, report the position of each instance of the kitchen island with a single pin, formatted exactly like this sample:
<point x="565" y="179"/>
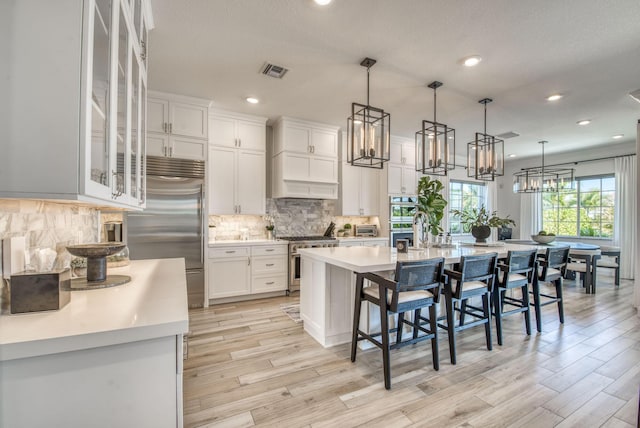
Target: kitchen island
<point x="327" y="284"/>
<point x="111" y="357"/>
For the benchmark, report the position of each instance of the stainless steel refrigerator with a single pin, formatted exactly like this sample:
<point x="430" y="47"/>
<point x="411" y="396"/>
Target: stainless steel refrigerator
<point x="172" y="224"/>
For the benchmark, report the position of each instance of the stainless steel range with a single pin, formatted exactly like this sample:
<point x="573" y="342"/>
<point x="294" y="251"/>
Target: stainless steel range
<point x="298" y="242"/>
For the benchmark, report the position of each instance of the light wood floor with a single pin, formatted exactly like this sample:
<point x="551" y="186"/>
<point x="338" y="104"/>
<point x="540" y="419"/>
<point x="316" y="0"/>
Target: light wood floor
<point x="250" y="365"/>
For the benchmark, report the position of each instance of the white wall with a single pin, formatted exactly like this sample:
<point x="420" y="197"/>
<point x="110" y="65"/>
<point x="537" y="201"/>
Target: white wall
<point x="509" y="203"/>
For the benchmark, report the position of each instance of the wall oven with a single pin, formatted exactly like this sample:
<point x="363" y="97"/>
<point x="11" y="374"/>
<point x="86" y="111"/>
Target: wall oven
<point x="401" y="211"/>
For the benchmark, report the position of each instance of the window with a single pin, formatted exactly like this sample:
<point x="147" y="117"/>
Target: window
<point x="463" y="195"/>
<point x="585" y="211"/>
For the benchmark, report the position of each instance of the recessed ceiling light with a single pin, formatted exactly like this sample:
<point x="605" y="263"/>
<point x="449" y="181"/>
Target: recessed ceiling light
<point x="554" y="97"/>
<point x="583" y="122"/>
<point x="471" y="61"/>
<point x="512" y="155"/>
<point x="617" y="137"/>
<point x="252" y="100"/>
<point x="322" y="2"/>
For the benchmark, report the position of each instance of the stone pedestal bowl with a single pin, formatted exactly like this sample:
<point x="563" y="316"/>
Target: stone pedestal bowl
<point x="96" y="255"/>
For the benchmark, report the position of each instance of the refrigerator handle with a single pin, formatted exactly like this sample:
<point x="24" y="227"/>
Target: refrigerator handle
<point x="201" y="217"/>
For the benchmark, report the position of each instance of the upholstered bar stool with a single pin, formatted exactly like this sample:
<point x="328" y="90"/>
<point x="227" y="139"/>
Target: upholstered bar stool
<point x="610" y="259"/>
<point x="585" y="263"/>
<point x="552" y="269"/>
<point x="417" y="285"/>
<point x="519" y="271"/>
<point x="474" y="276"/>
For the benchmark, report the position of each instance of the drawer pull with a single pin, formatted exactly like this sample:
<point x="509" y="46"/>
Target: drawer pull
<point x="269" y="249"/>
<point x="269" y="264"/>
<point x="230" y="252"/>
<point x="269" y="283"/>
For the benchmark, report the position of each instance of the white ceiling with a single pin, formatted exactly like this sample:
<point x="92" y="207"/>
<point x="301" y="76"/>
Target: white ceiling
<point x="588" y="50"/>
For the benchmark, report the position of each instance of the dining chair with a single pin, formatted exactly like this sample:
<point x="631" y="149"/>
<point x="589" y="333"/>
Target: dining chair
<point x="552" y="266"/>
<point x="473" y="277"/>
<point x="416" y="286"/>
<point x="585" y="263"/>
<point x="610" y="259"/>
<point x="518" y="271"/>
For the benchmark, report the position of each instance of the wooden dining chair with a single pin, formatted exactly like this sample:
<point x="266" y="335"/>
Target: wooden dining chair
<point x="473" y="277"/>
<point x="416" y="286"/>
<point x="610" y="259"/>
<point x="585" y="263"/>
<point x="552" y="266"/>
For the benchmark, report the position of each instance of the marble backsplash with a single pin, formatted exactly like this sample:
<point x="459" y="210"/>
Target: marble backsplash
<point x="291" y="217"/>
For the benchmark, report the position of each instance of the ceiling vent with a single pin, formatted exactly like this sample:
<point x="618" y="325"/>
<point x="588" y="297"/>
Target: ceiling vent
<point x="635" y="95"/>
<point x="273" y="70"/>
<point x="509" y="134"/>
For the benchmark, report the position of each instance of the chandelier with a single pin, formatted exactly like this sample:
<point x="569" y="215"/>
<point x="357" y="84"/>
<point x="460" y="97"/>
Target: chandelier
<point x="368" y="131"/>
<point x="435" y="144"/>
<point x="540" y="179"/>
<point x="485" y="155"/>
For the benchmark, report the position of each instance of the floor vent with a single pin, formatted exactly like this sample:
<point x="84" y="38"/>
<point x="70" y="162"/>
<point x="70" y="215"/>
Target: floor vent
<point x="273" y="70"/>
<point x="509" y="134"/>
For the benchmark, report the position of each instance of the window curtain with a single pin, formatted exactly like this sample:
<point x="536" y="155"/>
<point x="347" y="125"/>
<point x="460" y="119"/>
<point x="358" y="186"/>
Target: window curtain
<point x="624" y="232"/>
<point x="446" y="194"/>
<point x="492" y="204"/>
<point x="530" y="214"/>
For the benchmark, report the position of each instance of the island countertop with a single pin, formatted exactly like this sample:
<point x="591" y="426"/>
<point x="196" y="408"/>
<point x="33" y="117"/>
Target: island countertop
<point x="152" y="305"/>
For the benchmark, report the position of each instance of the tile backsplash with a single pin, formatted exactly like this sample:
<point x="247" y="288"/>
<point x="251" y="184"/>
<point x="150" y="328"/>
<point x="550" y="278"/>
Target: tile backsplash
<point x="291" y="217"/>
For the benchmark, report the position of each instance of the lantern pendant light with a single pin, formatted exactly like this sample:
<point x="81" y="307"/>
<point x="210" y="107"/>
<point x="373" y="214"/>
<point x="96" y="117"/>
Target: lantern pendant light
<point x="485" y="155"/>
<point x="543" y="180"/>
<point x="368" y="131"/>
<point x="435" y="144"/>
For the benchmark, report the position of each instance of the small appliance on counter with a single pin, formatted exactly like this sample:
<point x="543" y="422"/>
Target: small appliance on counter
<point x="113" y="231"/>
<point x="366" y="230"/>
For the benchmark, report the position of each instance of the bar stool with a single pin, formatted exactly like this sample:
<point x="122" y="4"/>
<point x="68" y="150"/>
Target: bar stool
<point x="610" y="259"/>
<point x="474" y="277"/>
<point x="584" y="262"/>
<point x="518" y="272"/>
<point x="417" y="285"/>
<point x="552" y="269"/>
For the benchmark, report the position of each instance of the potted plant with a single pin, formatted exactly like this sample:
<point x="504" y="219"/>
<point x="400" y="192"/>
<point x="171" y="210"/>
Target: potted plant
<point x="347" y="229"/>
<point x="480" y="221"/>
<point x="431" y="202"/>
<point x="270" y="228"/>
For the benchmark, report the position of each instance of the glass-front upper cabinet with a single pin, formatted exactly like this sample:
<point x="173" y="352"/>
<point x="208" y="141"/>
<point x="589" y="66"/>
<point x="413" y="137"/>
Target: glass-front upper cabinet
<point x="123" y="125"/>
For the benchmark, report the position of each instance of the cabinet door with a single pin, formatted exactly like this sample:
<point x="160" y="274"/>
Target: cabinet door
<point x="188" y="120"/>
<point x="350" y="186"/>
<point x="296" y="138"/>
<point x="157" y="144"/>
<point x="251" y="180"/>
<point x="369" y="191"/>
<point x="324" y="143"/>
<point x="229" y="277"/>
<point x="222" y="131"/>
<point x="394" y="178"/>
<point x="222" y="180"/>
<point x="157" y="115"/>
<point x="251" y="135"/>
<point x="409" y="180"/>
<point x="187" y="148"/>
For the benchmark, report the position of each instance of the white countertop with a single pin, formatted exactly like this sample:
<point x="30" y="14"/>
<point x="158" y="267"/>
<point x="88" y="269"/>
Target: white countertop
<point x="152" y="305"/>
<point x="373" y="259"/>
<point x="241" y="243"/>
<point x="361" y="238"/>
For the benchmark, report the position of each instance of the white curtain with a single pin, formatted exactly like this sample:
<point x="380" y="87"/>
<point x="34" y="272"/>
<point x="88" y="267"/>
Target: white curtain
<point x="624" y="233"/>
<point x="492" y="204"/>
<point x="447" y="197"/>
<point x="530" y="214"/>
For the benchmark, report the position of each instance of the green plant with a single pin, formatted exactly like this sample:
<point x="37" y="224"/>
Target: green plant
<point x="474" y="217"/>
<point x="270" y="227"/>
<point x="347" y="226"/>
<point x="431" y="202"/>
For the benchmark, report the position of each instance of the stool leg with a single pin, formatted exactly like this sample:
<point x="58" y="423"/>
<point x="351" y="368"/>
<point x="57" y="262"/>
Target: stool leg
<point x="487" y="317"/>
<point x="536" y="304"/>
<point x="384" y="324"/>
<point x="559" y="295"/>
<point x="416" y="322"/>
<point x="463" y="311"/>
<point x="451" y="326"/>
<point x="356" y="317"/>
<point x="497" y="297"/>
<point x="527" y="312"/>
<point x="617" y="272"/>
<point x="433" y="322"/>
<point x="400" y="325"/>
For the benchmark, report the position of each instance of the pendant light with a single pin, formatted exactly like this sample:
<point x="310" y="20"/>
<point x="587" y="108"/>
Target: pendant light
<point x="485" y="155"/>
<point x="542" y="180"/>
<point x="368" y="131"/>
<point x="435" y="144"/>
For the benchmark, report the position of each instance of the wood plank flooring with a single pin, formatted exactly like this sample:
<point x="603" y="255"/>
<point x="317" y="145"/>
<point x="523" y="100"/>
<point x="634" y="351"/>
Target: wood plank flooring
<point x="250" y="365"/>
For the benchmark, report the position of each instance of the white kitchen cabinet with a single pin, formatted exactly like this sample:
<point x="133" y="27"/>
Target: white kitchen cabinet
<point x="305" y="159"/>
<point x="402" y="151"/>
<point x="268" y="268"/>
<point x="168" y="114"/>
<point x="363" y="242"/>
<point x="236" y="181"/>
<point x="229" y="272"/>
<point x="99" y="84"/>
<point x="176" y="147"/>
<point x="231" y="130"/>
<point x="402" y="180"/>
<point x="360" y="188"/>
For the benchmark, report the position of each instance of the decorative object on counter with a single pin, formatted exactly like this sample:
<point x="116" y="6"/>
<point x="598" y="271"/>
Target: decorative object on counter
<point x="340" y="233"/>
<point x="347" y="229"/>
<point x="431" y="202"/>
<point x="368" y="131"/>
<point x="540" y="179"/>
<point x="480" y="222"/>
<point x="435" y="144"/>
<point x="269" y="228"/>
<point x="402" y="245"/>
<point x="543" y="237"/>
<point x="40" y="291"/>
<point x="485" y="155"/>
<point x="329" y="232"/>
<point x="96" y="255"/>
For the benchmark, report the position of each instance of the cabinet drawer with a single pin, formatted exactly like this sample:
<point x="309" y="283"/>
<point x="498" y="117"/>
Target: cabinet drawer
<point x="265" y="284"/>
<point x="268" y="265"/>
<point x="265" y="250"/>
<point x="223" y="252"/>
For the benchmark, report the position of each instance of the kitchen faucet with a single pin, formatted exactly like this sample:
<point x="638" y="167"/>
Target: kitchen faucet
<point x="418" y="237"/>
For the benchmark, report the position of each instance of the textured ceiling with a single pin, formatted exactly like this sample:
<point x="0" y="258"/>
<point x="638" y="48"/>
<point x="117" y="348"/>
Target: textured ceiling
<point x="588" y="50"/>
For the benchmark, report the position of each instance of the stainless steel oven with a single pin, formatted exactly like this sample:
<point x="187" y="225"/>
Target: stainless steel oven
<point x="297" y="242"/>
<point x="401" y="211"/>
